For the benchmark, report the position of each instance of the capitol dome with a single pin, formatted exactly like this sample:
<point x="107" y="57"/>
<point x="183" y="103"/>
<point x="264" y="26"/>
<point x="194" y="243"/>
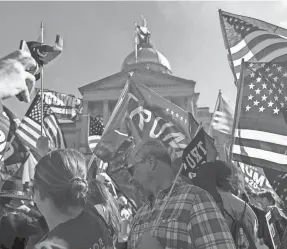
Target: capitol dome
<point x="149" y="58"/>
<point x="146" y="57"/>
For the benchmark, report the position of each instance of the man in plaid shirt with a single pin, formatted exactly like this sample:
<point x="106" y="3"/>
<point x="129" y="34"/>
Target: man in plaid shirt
<point x="191" y="219"/>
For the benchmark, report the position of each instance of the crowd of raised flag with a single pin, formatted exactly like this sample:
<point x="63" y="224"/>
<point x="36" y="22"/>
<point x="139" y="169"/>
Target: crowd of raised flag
<point x="157" y="179"/>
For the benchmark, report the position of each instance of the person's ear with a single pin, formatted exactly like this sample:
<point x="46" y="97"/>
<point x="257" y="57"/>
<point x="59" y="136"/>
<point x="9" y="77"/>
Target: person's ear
<point x="151" y="161"/>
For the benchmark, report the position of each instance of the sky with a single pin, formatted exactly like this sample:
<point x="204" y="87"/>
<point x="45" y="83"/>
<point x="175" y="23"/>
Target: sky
<point x="99" y="35"/>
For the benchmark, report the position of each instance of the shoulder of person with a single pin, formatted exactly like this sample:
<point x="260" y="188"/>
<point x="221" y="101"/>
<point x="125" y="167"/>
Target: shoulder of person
<point x="250" y="210"/>
<point x="234" y="201"/>
<point x="194" y="192"/>
<point x="50" y="244"/>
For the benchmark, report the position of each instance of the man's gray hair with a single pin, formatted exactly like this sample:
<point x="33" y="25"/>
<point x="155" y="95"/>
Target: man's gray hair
<point x="155" y="147"/>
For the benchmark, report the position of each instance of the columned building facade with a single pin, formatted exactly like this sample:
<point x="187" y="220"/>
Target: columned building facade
<point x="150" y="68"/>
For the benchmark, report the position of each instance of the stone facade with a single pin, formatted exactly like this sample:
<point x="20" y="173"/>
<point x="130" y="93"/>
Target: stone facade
<point x="150" y="68"/>
<point x="100" y="98"/>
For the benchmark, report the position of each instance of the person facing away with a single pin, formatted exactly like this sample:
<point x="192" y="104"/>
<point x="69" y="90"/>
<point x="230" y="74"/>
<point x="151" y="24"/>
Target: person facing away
<point x="235" y="208"/>
<point x="60" y="193"/>
<point x="191" y="218"/>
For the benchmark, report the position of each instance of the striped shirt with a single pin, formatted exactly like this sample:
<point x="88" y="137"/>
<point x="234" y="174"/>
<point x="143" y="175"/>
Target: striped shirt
<point x="191" y="220"/>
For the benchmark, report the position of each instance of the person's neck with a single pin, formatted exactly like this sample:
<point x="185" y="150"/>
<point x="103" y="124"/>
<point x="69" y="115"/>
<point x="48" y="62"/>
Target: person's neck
<point x="55" y="218"/>
<point x="163" y="182"/>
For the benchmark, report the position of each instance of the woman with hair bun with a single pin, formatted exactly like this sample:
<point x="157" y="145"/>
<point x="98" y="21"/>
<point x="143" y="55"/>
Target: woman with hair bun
<point x="60" y="193"/>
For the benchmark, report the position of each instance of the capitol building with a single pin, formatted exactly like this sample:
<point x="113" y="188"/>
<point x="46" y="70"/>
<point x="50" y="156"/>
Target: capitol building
<point x="150" y="68"/>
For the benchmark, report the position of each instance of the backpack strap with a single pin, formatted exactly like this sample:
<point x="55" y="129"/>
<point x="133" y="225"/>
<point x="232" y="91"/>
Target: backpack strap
<point x="249" y="237"/>
<point x="230" y="216"/>
<point x="242" y="216"/>
<point x="239" y="223"/>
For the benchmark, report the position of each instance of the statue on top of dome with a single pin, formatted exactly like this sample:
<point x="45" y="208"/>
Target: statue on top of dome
<point x="143" y="33"/>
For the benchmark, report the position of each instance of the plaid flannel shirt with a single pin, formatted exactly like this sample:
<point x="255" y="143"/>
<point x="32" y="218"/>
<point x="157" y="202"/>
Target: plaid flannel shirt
<point x="191" y="220"/>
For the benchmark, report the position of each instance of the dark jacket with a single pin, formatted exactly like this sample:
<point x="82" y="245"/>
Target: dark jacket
<point x="16" y="227"/>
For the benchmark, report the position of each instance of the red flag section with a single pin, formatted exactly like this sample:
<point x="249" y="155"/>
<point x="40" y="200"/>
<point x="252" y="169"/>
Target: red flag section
<point x="252" y="40"/>
<point x="140" y="114"/>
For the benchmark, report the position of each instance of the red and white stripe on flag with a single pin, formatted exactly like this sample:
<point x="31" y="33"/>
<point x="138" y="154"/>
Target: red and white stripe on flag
<point x="96" y="128"/>
<point x="223" y="117"/>
<point x="30" y="128"/>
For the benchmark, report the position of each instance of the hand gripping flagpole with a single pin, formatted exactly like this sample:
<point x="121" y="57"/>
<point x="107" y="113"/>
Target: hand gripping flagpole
<point x="170" y="191"/>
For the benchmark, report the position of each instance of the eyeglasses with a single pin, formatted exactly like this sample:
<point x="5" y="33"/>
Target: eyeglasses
<point x="130" y="167"/>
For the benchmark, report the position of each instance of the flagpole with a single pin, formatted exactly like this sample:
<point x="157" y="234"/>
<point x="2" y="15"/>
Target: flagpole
<point x="136" y="43"/>
<point x="215" y="108"/>
<point x="130" y="74"/>
<point x="93" y="155"/>
<point x="42" y="76"/>
<point x="237" y="109"/>
<point x="172" y="187"/>
<point x="226" y="43"/>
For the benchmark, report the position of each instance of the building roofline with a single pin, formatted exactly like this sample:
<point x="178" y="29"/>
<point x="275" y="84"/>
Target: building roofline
<point x="172" y="77"/>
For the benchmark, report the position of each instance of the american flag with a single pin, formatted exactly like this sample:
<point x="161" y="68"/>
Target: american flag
<point x="222" y="119"/>
<point x="261" y="137"/>
<point x="64" y="106"/>
<point x="96" y="128"/>
<point x="30" y="128"/>
<point x="252" y="40"/>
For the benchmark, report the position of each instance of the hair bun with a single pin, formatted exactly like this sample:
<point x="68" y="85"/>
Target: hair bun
<point x="78" y="191"/>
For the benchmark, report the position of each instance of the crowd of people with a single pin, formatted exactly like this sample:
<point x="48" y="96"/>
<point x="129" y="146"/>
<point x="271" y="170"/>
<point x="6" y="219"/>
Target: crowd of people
<point x="66" y="208"/>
